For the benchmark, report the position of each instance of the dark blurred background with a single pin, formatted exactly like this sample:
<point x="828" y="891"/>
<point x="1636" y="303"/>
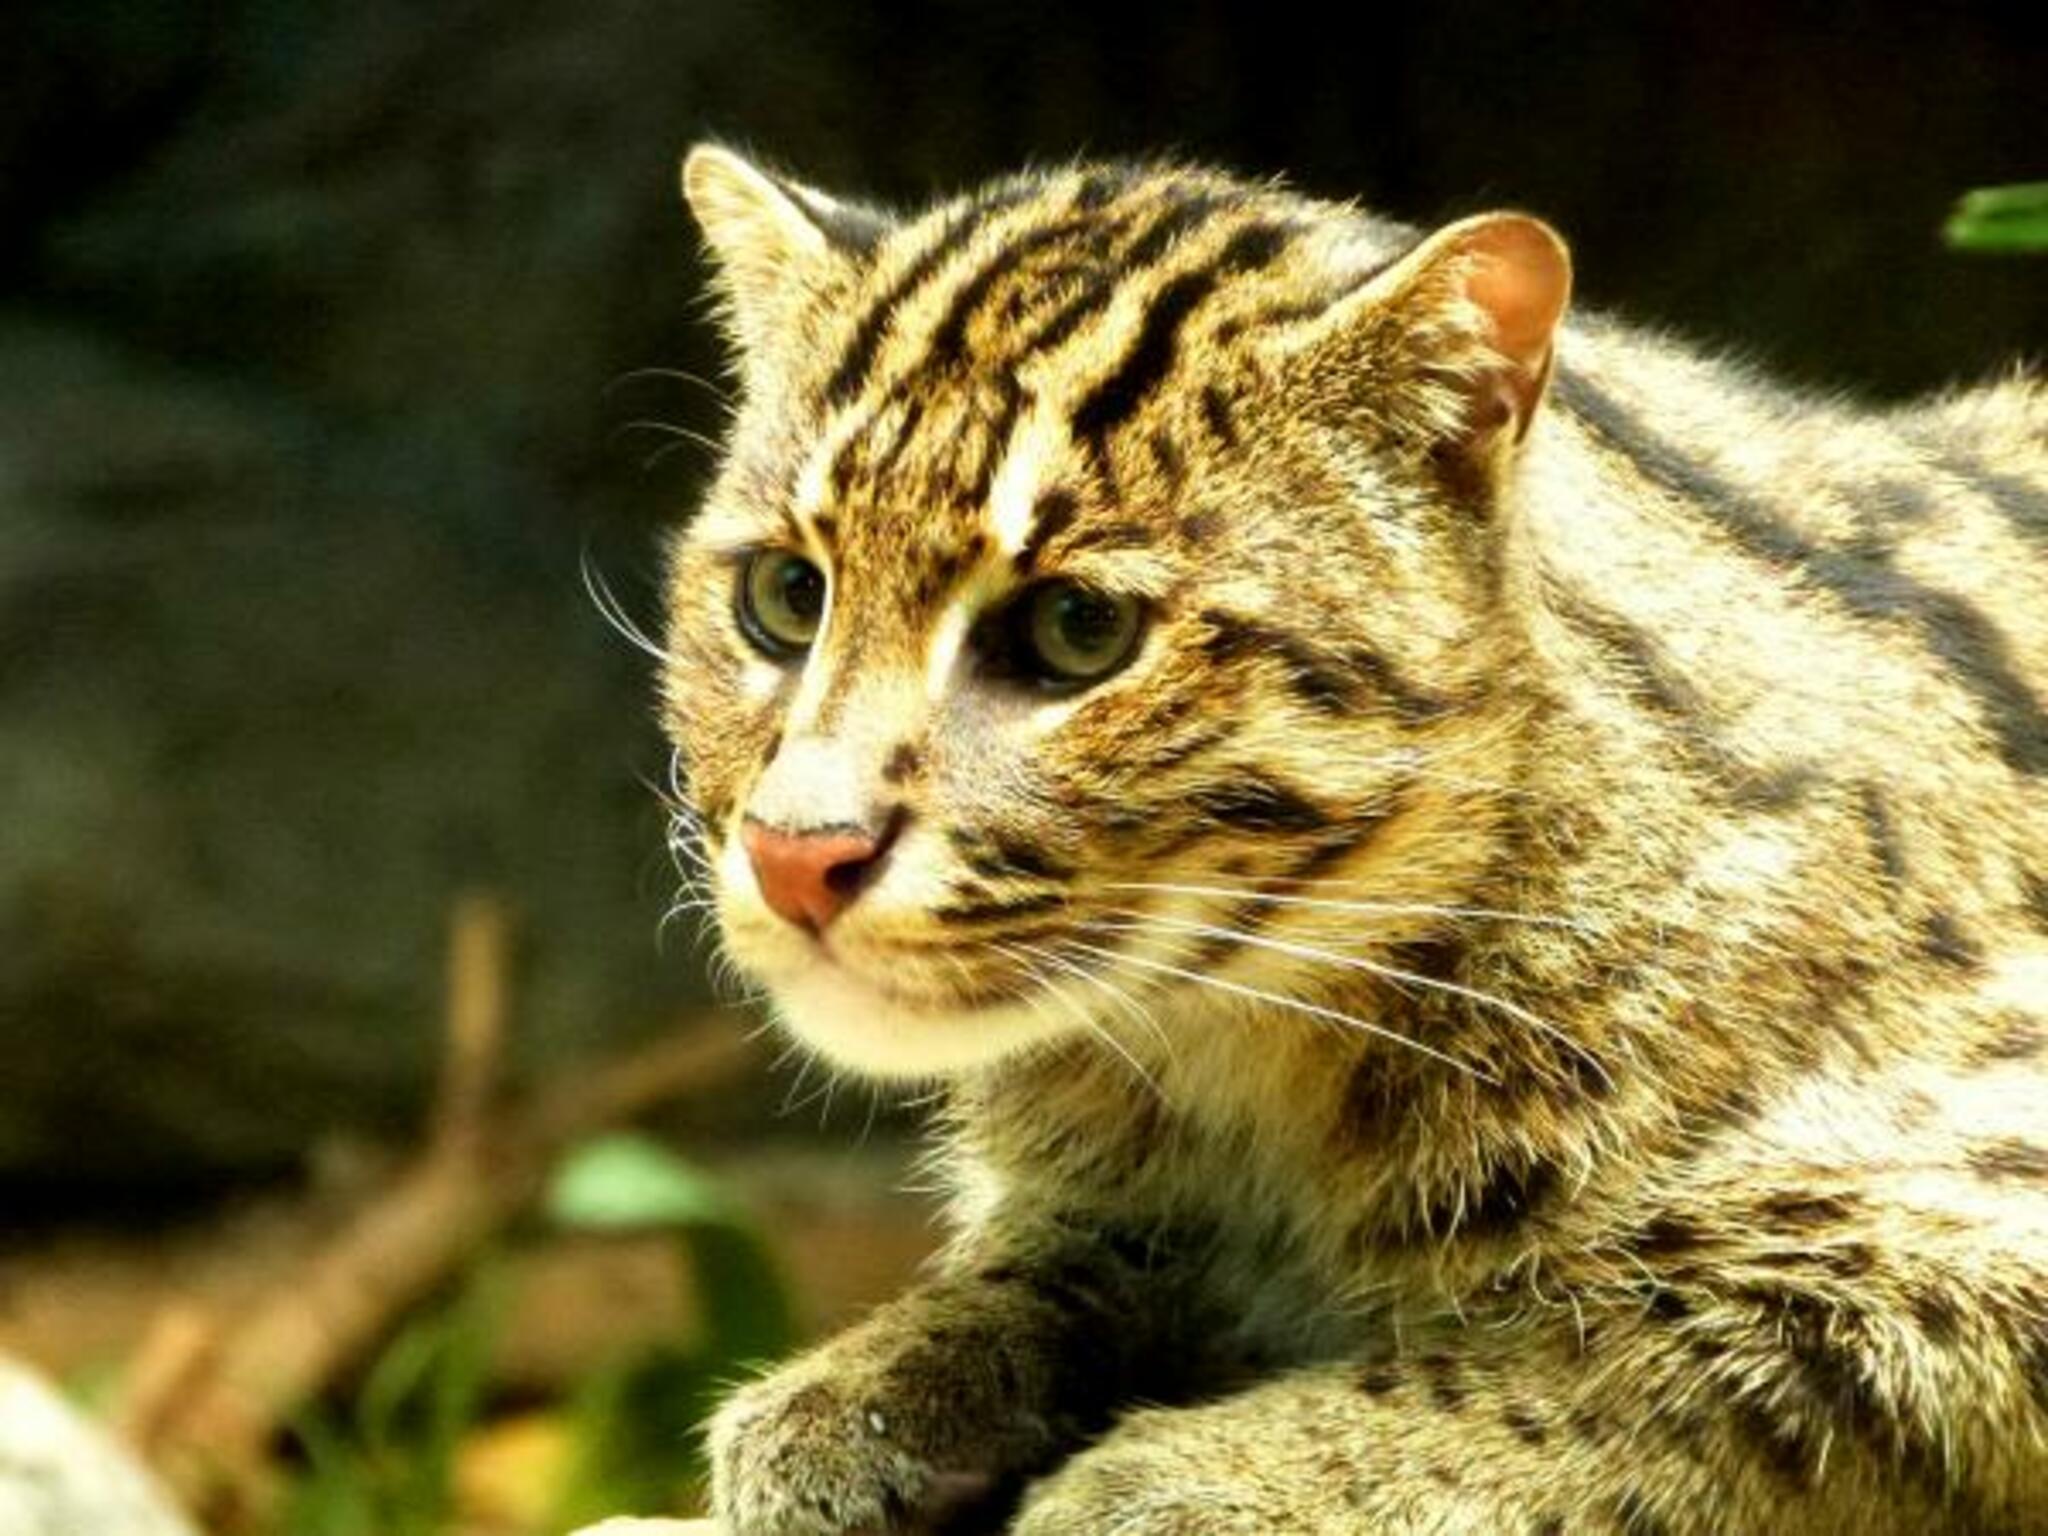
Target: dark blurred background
<point x="318" y="330"/>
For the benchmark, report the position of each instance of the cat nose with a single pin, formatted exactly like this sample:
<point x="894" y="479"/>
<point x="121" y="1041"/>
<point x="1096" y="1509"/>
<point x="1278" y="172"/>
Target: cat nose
<point x="811" y="877"/>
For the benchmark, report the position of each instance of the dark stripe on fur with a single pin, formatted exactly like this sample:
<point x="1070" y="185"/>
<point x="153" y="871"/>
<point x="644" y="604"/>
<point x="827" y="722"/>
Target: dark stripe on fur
<point x="1151" y="356"/>
<point x="1216" y="413"/>
<point x="1197" y="743"/>
<point x="1333" y="681"/>
<point x="998" y="908"/>
<point x="1943" y="938"/>
<point x="1658" y="684"/>
<point x="2021" y="504"/>
<point x="948" y="346"/>
<point x="1122" y="534"/>
<point x="1254" y="803"/>
<point x="904" y="761"/>
<point x="1863" y="581"/>
<point x="1012" y="402"/>
<point x="1184" y="215"/>
<point x="1051" y="515"/>
<point x="859" y="357"/>
<point x="999" y="856"/>
<point x="1883" y="836"/>
<point x="2009" y="1159"/>
<point x="1300" y="311"/>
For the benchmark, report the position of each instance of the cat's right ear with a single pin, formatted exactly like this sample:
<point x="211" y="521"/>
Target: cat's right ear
<point x="774" y="240"/>
<point x="1456" y="337"/>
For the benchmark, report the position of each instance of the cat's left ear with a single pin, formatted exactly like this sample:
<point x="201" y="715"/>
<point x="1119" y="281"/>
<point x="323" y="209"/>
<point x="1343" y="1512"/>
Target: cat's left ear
<point x="1470" y="318"/>
<point x="773" y="239"/>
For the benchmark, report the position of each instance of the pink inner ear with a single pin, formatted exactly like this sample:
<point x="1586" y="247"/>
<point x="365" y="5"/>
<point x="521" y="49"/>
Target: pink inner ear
<point x="1521" y="277"/>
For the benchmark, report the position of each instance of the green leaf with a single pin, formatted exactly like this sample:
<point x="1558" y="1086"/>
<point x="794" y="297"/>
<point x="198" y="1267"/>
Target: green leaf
<point x="628" y="1183"/>
<point x="2000" y="219"/>
<point x="332" y="1497"/>
<point x="745" y="1305"/>
<point x="385" y="1466"/>
<point x="638" y="1436"/>
<point x="638" y="1423"/>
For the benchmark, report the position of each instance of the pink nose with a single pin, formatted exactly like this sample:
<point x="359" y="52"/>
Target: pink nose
<point x="810" y="877"/>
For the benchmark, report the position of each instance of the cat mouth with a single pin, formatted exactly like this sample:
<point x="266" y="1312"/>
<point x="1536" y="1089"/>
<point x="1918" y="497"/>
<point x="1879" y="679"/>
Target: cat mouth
<point x="879" y="970"/>
<point x="865" y="1014"/>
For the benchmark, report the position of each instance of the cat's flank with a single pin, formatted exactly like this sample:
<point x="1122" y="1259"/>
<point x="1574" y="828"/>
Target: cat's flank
<point x="1476" y="882"/>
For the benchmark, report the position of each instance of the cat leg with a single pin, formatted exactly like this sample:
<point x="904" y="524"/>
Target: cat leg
<point x="966" y="1383"/>
<point x="1536" y="1445"/>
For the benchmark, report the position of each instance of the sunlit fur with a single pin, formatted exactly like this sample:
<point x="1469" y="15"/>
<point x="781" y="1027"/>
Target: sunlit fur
<point x="1525" y="999"/>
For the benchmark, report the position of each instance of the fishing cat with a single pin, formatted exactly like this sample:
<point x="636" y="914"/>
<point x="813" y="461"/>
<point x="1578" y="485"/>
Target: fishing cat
<point x="1476" y="884"/>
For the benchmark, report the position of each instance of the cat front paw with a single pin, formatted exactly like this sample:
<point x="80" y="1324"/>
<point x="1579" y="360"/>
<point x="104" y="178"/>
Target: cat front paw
<point x="799" y="1454"/>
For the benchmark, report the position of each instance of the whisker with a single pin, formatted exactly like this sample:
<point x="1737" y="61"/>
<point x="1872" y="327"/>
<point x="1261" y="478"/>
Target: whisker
<point x="654" y="460"/>
<point x="1334" y="904"/>
<point x="682" y="437"/>
<point x="667" y="429"/>
<point x="1097" y="979"/>
<point x="687" y="853"/>
<point x="614" y="612"/>
<point x="803" y="1075"/>
<point x="1101" y="983"/>
<point x="1298" y="1005"/>
<point x="637" y="375"/>
<point x="728" y="980"/>
<point x="1392" y="973"/>
<point x="867" y="1124"/>
<point x="1080" y="1015"/>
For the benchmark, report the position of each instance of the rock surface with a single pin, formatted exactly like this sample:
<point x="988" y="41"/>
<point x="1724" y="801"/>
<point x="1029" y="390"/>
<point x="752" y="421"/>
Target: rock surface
<point x="62" y="1476"/>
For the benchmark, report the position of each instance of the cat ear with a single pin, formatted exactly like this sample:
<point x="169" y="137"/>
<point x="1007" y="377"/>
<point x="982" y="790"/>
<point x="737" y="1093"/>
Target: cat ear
<point x="1472" y="312"/>
<point x="773" y="239"/>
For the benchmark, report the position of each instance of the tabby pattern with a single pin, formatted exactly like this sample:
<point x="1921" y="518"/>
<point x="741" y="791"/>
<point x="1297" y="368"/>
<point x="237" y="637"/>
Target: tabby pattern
<point x="1517" y="1003"/>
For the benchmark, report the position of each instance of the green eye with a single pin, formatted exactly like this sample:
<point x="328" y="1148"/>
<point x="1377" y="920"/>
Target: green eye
<point x="1072" y="634"/>
<point x="781" y="600"/>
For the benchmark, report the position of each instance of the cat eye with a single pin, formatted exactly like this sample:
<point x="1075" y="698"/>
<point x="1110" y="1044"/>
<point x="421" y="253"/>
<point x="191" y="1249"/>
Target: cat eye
<point x="1061" y="634"/>
<point x="781" y="599"/>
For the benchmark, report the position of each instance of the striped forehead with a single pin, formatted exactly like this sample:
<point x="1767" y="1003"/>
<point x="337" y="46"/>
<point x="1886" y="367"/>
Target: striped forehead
<point x="1003" y="342"/>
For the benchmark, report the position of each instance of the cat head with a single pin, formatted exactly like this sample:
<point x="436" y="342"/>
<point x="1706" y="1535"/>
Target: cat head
<point x="1099" y="596"/>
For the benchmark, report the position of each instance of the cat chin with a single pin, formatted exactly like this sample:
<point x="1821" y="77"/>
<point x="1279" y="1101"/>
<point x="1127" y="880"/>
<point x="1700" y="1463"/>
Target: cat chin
<point x="861" y="1028"/>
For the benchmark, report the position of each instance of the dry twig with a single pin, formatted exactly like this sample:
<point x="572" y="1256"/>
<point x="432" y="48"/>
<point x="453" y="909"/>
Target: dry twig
<point x="210" y="1399"/>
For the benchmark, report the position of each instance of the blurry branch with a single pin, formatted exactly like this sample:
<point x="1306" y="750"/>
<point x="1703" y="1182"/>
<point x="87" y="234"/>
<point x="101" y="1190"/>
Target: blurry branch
<point x="210" y="1396"/>
<point x="2000" y="220"/>
<point x="479" y="996"/>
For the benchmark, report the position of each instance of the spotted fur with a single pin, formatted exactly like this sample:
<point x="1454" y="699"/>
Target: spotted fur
<point x="1521" y="1008"/>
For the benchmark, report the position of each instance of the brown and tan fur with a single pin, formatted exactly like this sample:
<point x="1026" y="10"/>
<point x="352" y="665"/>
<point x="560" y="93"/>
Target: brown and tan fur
<point x="1522" y="1008"/>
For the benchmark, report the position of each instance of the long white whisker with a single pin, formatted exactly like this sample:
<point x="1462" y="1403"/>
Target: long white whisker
<point x="668" y="429"/>
<point x="635" y="375"/>
<point x="688" y="840"/>
<point x="1095" y="1027"/>
<point x="681" y="438"/>
<point x="1338" y="904"/>
<point x="1392" y="973"/>
<point x="1098" y="980"/>
<point x="1281" y="1000"/>
<point x="614" y="612"/>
